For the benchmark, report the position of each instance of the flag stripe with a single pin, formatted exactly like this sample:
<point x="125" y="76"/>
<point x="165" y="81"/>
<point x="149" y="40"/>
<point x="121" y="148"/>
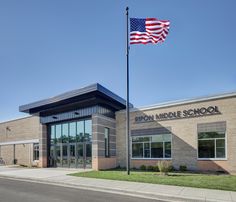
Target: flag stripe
<point x="156" y="35"/>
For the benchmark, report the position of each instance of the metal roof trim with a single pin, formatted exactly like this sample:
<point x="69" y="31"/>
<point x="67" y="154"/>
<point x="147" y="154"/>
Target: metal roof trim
<point x="183" y="102"/>
<point x="189" y="101"/>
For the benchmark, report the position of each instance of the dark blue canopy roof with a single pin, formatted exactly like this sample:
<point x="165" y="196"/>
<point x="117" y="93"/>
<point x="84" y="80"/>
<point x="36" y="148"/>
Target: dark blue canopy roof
<point x="87" y="96"/>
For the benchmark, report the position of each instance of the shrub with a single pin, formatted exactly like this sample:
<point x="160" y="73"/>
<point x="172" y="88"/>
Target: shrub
<point x="23" y="165"/>
<point x="118" y="167"/>
<point x="156" y="168"/>
<point x="182" y="168"/>
<point x="171" y="168"/>
<point x="143" y="167"/>
<point x="150" y="168"/>
<point x="164" y="167"/>
<point x="134" y="168"/>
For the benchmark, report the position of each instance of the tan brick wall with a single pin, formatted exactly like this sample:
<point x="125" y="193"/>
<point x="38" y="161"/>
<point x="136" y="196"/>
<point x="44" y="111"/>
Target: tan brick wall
<point x="7" y="154"/>
<point x="100" y="163"/>
<point x="214" y="166"/>
<point x="184" y="133"/>
<point x="106" y="163"/>
<point x="19" y="130"/>
<point x="121" y="139"/>
<point x="24" y="154"/>
<point x="137" y="163"/>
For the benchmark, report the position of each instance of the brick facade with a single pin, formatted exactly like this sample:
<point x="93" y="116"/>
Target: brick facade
<point x="184" y="134"/>
<point x="17" y="138"/>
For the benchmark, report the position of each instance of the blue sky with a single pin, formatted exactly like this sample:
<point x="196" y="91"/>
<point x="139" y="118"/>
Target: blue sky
<point x="50" y="47"/>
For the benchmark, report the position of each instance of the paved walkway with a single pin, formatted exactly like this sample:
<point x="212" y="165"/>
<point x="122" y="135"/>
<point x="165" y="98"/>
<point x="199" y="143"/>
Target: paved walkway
<point x="58" y="176"/>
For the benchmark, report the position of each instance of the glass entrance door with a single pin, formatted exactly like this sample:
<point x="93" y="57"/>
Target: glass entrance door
<point x="88" y="159"/>
<point x="65" y="155"/>
<point x="80" y="155"/>
<point x="58" y="155"/>
<point x="84" y="154"/>
<point x="71" y="144"/>
<point x="71" y="155"/>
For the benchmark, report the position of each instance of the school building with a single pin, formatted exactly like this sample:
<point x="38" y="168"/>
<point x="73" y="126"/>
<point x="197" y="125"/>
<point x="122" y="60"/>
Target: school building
<point x="86" y="128"/>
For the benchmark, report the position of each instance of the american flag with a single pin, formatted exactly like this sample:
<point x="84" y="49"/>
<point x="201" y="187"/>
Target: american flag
<point x="148" y="30"/>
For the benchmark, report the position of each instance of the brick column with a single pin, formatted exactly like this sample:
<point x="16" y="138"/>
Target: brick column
<point x="43" y="158"/>
<point x="99" y="161"/>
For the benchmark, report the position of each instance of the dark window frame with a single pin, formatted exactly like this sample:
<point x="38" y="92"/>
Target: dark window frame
<point x="214" y="140"/>
<point x="107" y="142"/>
<point x="35" y="151"/>
<point x="148" y="139"/>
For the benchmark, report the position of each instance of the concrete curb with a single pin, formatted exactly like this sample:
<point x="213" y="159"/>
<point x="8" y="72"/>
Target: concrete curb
<point x="140" y="194"/>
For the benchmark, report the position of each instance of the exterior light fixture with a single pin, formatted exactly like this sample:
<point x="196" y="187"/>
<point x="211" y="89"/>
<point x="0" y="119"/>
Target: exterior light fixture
<point x="8" y="128"/>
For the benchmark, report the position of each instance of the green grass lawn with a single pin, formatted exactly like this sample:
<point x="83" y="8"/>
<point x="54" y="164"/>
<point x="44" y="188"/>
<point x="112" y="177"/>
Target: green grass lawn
<point x="210" y="181"/>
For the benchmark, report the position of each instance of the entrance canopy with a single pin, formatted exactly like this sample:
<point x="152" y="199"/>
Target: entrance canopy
<point x="92" y="95"/>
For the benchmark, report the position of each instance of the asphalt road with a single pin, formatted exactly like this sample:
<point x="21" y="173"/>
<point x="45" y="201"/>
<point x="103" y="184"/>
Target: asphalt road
<point x="20" y="191"/>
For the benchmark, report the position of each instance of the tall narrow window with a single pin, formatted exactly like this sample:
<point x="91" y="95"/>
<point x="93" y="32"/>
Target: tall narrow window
<point x="52" y="134"/>
<point x="65" y="133"/>
<point x="106" y="141"/>
<point x="80" y="131"/>
<point x="58" y="134"/>
<point x="88" y="130"/>
<point x="72" y="132"/>
<point x="36" y="152"/>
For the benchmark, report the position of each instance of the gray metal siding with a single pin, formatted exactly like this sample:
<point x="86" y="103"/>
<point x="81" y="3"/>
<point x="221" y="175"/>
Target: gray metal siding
<point x="75" y="114"/>
<point x="212" y="127"/>
<point x="151" y="131"/>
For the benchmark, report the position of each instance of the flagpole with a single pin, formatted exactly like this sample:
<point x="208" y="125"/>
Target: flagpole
<point x="127" y="90"/>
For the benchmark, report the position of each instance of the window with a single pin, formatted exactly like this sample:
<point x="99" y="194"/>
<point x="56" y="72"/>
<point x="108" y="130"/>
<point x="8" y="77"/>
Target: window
<point x="211" y="145"/>
<point x="106" y="141"/>
<point x="88" y="130"/>
<point x="72" y="130"/>
<point x="58" y="134"/>
<point x="36" y="151"/>
<point x="65" y="133"/>
<point x="80" y="131"/>
<point x="52" y="134"/>
<point x="137" y="150"/>
<point x="153" y="146"/>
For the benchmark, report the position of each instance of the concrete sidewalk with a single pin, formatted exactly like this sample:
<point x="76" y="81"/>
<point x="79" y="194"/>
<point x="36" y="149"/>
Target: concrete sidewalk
<point x="58" y="176"/>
